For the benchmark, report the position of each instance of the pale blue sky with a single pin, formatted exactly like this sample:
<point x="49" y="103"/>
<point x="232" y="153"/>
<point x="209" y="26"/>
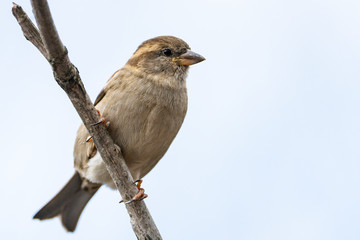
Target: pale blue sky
<point x="270" y="145"/>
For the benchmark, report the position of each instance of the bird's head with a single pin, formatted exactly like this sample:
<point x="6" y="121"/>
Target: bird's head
<point x="164" y="56"/>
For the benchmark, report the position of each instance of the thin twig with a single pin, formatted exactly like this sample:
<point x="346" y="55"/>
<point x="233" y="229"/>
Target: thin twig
<point x="68" y="78"/>
<point x="31" y="33"/>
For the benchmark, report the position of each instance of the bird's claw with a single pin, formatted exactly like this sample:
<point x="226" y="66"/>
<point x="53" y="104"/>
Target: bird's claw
<point x="140" y="195"/>
<point x="102" y="120"/>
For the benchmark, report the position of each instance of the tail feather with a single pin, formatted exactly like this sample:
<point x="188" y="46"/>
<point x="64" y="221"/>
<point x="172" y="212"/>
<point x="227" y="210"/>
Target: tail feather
<point x="68" y="203"/>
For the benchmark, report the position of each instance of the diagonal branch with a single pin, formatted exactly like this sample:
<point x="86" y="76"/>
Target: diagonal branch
<point x="66" y="74"/>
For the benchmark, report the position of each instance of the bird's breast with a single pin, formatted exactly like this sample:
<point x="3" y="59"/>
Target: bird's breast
<point x="144" y="122"/>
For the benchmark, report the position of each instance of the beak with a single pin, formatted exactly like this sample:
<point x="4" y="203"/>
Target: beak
<point x="189" y="58"/>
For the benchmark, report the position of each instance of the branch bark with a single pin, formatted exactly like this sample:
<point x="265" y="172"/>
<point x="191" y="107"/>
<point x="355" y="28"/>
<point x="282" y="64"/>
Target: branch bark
<point x="67" y="76"/>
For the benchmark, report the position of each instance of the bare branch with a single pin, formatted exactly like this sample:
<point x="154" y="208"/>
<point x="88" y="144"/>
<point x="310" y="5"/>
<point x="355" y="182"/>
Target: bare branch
<point x="68" y="78"/>
<point x="30" y="31"/>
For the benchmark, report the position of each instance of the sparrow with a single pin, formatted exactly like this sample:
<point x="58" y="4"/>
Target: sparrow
<point x="145" y="103"/>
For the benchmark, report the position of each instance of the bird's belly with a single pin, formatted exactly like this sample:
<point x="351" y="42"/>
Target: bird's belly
<point x="143" y="142"/>
<point x="143" y="150"/>
<point x="139" y="165"/>
<point x="143" y="157"/>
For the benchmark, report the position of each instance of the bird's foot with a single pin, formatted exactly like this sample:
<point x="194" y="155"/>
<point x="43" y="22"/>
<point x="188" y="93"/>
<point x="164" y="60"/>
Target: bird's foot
<point x="140" y="195"/>
<point x="89" y="139"/>
<point x="102" y="120"/>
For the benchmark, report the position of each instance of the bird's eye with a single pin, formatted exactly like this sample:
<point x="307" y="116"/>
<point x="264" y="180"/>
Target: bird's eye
<point x="167" y="52"/>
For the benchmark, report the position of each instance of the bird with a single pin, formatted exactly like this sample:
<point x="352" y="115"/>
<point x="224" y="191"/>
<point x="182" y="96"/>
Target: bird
<point x="144" y="104"/>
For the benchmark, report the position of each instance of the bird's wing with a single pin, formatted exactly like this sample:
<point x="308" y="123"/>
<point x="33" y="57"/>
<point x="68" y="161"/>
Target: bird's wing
<point x="100" y="96"/>
<point x="106" y="88"/>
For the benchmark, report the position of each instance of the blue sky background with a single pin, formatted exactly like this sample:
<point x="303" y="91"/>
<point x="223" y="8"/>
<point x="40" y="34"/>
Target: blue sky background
<point x="270" y="145"/>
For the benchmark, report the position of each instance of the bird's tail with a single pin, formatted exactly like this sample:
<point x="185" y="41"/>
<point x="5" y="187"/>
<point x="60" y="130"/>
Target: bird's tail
<point x="69" y="202"/>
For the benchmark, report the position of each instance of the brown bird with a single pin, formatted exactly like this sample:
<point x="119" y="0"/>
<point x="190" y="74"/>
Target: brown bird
<point x="145" y="103"/>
